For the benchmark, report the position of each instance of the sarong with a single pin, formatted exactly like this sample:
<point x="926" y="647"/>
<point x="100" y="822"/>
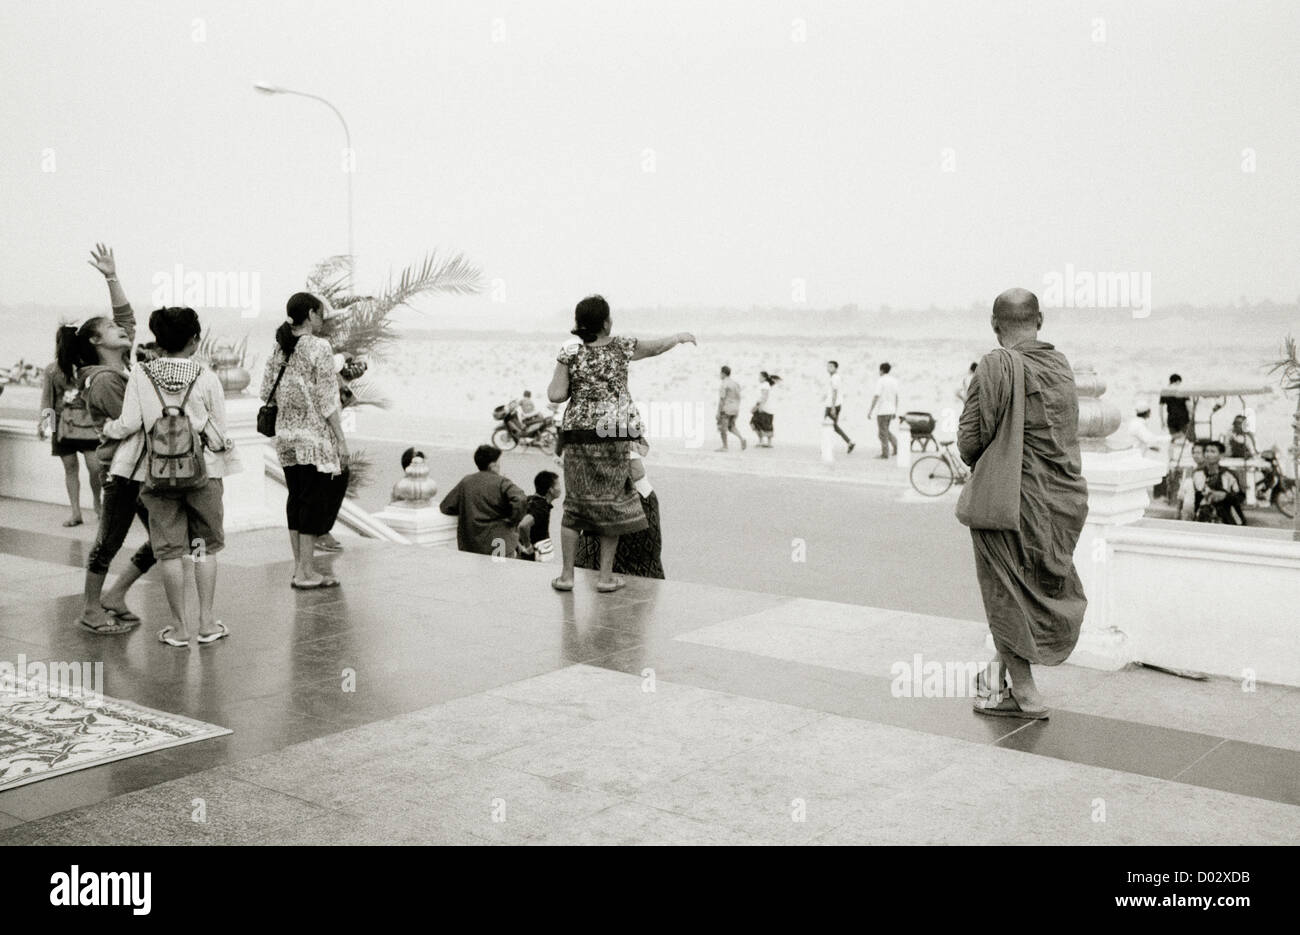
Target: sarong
<point x="599" y="495"/>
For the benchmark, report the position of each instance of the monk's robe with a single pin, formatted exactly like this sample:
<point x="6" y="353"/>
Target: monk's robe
<point x="1032" y="594"/>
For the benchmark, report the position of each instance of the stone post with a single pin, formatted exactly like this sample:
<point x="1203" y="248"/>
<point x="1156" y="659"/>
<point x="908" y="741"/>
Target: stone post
<point x="248" y="498"/>
<point x="1119" y="484"/>
<point x="412" y="511"/>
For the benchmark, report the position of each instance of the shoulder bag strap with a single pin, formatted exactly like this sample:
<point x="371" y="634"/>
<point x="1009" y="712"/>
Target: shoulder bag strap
<point x="275" y="387"/>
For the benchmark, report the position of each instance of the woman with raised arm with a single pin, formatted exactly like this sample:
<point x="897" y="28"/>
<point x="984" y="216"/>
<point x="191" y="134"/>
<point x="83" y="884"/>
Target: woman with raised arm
<point x="105" y="349"/>
<point x="600" y="433"/>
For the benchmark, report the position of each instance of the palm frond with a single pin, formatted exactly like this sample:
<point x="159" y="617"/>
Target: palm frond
<point x="367" y="327"/>
<point x="454" y="275"/>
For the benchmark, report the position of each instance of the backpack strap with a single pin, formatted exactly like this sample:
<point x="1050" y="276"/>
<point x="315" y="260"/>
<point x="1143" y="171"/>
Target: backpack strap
<point x="157" y="390"/>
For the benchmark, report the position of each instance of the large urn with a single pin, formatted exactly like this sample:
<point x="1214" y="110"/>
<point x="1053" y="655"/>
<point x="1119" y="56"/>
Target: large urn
<point x="1098" y="418"/>
<point x="226" y="363"/>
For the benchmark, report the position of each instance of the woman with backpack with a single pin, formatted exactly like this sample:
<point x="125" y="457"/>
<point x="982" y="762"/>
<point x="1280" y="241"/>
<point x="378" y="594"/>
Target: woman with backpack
<point x="66" y="422"/>
<point x="174" y="423"/>
<point x="105" y="351"/>
<point x="300" y="382"/>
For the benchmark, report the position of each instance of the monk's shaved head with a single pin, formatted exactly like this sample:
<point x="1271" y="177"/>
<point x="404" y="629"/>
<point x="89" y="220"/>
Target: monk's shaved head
<point x="1016" y="317"/>
<point x="1017" y="308"/>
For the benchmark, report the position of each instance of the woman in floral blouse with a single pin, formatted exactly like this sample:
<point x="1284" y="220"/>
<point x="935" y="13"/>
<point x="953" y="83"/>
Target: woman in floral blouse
<point x="308" y="432"/>
<point x="600" y="432"/>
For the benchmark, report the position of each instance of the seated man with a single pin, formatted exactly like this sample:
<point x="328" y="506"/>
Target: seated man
<point x="1238" y="442"/>
<point x="487" y="507"/>
<point x="1218" y="495"/>
<point x="1186" y="492"/>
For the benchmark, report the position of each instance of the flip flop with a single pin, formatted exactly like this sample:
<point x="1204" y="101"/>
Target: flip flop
<point x="612" y="586"/>
<point x="1008" y="707"/>
<point x="555" y="583"/>
<point x="325" y="582"/>
<point x="213" y="637"/>
<point x="106" y="628"/>
<point x="69" y="523"/>
<point x="164" y="638"/>
<point x="121" y="614"/>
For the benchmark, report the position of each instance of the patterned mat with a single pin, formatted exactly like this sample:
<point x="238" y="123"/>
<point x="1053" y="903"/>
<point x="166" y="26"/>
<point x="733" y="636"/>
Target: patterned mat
<point x="45" y="734"/>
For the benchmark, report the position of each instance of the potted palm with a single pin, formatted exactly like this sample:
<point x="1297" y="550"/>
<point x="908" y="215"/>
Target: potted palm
<point x="367" y="327"/>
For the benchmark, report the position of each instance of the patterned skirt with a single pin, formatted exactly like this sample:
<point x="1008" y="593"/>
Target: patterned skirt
<point x="638" y="553"/>
<point x="761" y="422"/>
<point x="599" y="496"/>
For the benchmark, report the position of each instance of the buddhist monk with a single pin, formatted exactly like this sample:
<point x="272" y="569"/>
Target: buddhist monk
<point x="1033" y="597"/>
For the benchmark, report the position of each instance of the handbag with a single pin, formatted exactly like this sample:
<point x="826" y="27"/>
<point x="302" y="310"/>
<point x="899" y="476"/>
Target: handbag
<point x="991" y="498"/>
<point x="266" y="416"/>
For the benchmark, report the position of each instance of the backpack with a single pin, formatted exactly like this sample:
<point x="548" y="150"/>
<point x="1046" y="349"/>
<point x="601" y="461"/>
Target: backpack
<point x="173" y="449"/>
<point x="76" y="424"/>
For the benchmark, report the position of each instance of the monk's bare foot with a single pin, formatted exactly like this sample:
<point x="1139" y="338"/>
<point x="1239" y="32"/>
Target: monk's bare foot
<point x="1028" y="698"/>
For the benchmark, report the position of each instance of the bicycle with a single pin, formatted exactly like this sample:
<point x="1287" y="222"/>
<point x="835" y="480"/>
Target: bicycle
<point x="933" y="475"/>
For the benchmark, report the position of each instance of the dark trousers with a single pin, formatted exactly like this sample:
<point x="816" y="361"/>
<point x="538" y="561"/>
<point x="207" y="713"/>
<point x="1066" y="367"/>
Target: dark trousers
<point x="121" y="504"/>
<point x="314" y="500"/>
<point x="833" y="413"/>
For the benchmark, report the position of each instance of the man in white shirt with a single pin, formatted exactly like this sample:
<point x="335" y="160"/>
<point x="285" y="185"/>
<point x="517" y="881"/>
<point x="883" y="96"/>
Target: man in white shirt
<point x="834" y="401"/>
<point x="1150" y="444"/>
<point x="886" y="396"/>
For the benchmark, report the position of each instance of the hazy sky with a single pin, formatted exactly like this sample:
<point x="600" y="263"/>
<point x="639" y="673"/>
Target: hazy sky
<point x="789" y="140"/>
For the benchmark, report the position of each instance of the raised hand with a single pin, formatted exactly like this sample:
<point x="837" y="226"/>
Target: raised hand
<point x="102" y="259"/>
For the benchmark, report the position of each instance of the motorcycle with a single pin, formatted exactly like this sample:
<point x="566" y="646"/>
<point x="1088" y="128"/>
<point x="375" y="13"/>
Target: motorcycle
<point x="512" y="432"/>
<point x="1275" y="487"/>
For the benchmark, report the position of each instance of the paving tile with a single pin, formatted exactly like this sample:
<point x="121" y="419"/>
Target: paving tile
<point x="1121" y="745"/>
<point x="1177" y="813"/>
<point x="338" y="828"/>
<point x="1215" y="706"/>
<point x="996" y="796"/>
<point x="628" y="823"/>
<point x="205" y="808"/>
<point x="487" y="801"/>
<point x="603" y="756"/>
<point x="479" y="726"/>
<point x="1248" y="769"/>
<point x="596" y="693"/>
<point x="330" y="769"/>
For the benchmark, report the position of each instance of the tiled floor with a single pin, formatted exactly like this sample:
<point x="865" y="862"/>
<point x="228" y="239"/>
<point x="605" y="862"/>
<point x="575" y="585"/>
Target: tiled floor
<point x="488" y="708"/>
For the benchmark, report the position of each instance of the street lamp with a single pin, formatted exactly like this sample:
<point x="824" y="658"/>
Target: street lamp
<point x="265" y="88"/>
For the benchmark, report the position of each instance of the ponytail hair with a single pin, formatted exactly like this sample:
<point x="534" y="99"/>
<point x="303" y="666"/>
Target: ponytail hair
<point x="67" y="351"/>
<point x="285" y="337"/>
<point x="298" y="308"/>
<point x="589" y="318"/>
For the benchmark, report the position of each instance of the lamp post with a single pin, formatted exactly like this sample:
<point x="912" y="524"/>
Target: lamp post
<point x="264" y="88"/>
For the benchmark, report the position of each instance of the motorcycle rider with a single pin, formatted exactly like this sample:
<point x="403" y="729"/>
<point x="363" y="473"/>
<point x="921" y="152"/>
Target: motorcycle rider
<point x="532" y="420"/>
